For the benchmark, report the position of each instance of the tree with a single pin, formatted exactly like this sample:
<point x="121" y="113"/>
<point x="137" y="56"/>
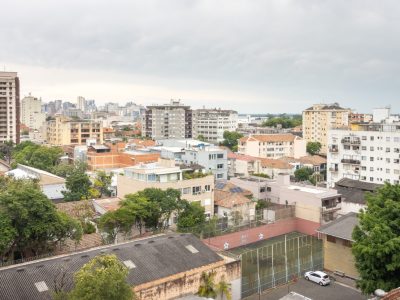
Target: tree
<point x="207" y="285"/>
<point x="231" y="139"/>
<point x="40" y="157"/>
<point x="284" y="120"/>
<point x="201" y="137"/>
<point x="78" y="185"/>
<point x="29" y="222"/>
<point x="313" y="148"/>
<point x="102" y="183"/>
<point x="6" y="150"/>
<point x="191" y="216"/>
<point x="223" y="289"/>
<point x="103" y="277"/>
<point x="303" y="174"/>
<point x="237" y="217"/>
<point x="376" y="246"/>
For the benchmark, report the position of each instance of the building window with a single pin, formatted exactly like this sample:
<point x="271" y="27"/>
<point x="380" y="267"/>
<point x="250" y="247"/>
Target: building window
<point x="196" y="190"/>
<point x="268" y="188"/>
<point x="220" y="166"/>
<point x="219" y="176"/>
<point x="220" y="155"/>
<point x="207" y="187"/>
<point x="186" y="191"/>
<point x="346" y="243"/>
<point x="331" y="239"/>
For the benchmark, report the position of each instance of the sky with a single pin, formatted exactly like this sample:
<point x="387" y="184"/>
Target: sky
<point x="251" y="56"/>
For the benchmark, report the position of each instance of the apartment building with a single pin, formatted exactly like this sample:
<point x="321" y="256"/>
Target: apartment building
<point x="31" y="112"/>
<point x="212" y="123"/>
<point x="163" y="175"/>
<point x="64" y="131"/>
<point x="173" y="120"/>
<point x="319" y="118"/>
<point x="369" y="152"/>
<point x="272" y="146"/>
<point x="9" y="107"/>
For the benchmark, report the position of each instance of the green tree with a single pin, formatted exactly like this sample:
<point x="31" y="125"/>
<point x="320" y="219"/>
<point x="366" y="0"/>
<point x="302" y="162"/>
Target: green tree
<point x="313" y="148"/>
<point x="191" y="216"/>
<point x="303" y="174"/>
<point x="78" y="185"/>
<point x="102" y="278"/>
<point x="29" y="221"/>
<point x="207" y="285"/>
<point x="284" y="120"/>
<point x="231" y="139"/>
<point x="6" y="151"/>
<point x="237" y="217"/>
<point x="223" y="289"/>
<point x="201" y="137"/>
<point x="376" y="246"/>
<point x="102" y="183"/>
<point x="40" y="157"/>
<point x="140" y="207"/>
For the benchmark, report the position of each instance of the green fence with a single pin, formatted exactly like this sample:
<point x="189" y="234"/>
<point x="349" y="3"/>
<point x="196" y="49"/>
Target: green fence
<point x="278" y="261"/>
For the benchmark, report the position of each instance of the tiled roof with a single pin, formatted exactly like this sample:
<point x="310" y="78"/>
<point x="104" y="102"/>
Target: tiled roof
<point x="342" y="227"/>
<point x="153" y="258"/>
<point x="229" y="200"/>
<point x="314" y="160"/>
<point x="287" y="137"/>
<point x="275" y="164"/>
<point x="232" y="155"/>
<point x="355" y="190"/>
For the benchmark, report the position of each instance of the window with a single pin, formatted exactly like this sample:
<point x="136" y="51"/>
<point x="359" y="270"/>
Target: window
<point x="219" y="176"/>
<point x="331" y="239"/>
<point x="220" y="155"/>
<point x="220" y="166"/>
<point x="387" y="139"/>
<point x="186" y="191"/>
<point x="346" y="243"/>
<point x="268" y="188"/>
<point x="371" y="148"/>
<point x="207" y="187"/>
<point x="371" y="138"/>
<point x="262" y="189"/>
<point x="371" y="179"/>
<point x="387" y="171"/>
<point x="371" y="158"/>
<point x="196" y="190"/>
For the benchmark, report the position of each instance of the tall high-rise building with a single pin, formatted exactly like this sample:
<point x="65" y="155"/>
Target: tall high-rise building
<point x="212" y="123"/>
<point x="31" y="112"/>
<point x="173" y="120"/>
<point x="9" y="107"/>
<point x="81" y="103"/>
<point x="319" y="118"/>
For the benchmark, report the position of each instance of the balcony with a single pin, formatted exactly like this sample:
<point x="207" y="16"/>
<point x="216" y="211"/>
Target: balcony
<point x="334" y="149"/>
<point x="333" y="169"/>
<point x="351" y="161"/>
<point x="351" y="141"/>
<point x="332" y="207"/>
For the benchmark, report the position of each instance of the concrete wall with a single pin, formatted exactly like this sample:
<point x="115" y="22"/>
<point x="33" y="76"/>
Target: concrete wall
<point x="338" y="257"/>
<point x="252" y="235"/>
<point x="188" y="282"/>
<point x="351" y="207"/>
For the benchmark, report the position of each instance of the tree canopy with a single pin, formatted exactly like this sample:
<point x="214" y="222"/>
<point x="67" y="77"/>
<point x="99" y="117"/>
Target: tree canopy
<point x="231" y="139"/>
<point x="78" y="185"/>
<point x="284" y="120"/>
<point x="191" y="216"/>
<point x="102" y="278"/>
<point x="37" y="156"/>
<point x="303" y="174"/>
<point x="313" y="148"/>
<point x="376" y="246"/>
<point x="29" y="222"/>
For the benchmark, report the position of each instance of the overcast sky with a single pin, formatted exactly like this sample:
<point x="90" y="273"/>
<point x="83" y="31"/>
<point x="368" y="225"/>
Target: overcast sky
<point x="253" y="56"/>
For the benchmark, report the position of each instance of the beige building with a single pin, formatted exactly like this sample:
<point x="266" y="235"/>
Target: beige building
<point x="173" y="120"/>
<point x="9" y="107"/>
<point x="163" y="175"/>
<point x="64" y="131"/>
<point x="31" y="112"/>
<point x="337" y="237"/>
<point x="319" y="118"/>
<point x="272" y="145"/>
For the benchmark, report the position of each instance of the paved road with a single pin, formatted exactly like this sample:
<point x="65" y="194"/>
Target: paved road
<point x="312" y="290"/>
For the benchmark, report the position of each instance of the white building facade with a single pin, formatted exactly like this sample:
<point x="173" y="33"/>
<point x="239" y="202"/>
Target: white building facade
<point x="9" y="107"/>
<point x="212" y="123"/>
<point x="31" y="112"/>
<point x="371" y="153"/>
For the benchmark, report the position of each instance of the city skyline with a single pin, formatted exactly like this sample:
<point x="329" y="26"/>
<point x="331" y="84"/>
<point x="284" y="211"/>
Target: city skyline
<point x="280" y="56"/>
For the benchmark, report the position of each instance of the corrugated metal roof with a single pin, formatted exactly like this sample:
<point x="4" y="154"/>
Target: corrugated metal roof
<point x="154" y="258"/>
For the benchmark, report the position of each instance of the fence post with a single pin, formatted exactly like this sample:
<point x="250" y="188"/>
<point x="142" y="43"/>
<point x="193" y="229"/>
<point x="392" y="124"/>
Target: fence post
<point x="258" y="274"/>
<point x="298" y="255"/>
<point x="286" y="268"/>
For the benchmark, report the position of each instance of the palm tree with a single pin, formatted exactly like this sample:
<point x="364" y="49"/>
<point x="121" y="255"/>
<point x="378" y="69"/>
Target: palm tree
<point x="224" y="289"/>
<point x="207" y="286"/>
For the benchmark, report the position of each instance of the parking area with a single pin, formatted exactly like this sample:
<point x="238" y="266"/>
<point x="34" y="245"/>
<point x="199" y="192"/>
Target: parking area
<point x="334" y="291"/>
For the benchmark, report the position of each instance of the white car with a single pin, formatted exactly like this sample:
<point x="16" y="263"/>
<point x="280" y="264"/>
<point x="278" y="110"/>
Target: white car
<point x="317" y="276"/>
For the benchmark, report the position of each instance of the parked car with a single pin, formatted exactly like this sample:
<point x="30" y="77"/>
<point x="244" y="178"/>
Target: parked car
<point x="317" y="276"/>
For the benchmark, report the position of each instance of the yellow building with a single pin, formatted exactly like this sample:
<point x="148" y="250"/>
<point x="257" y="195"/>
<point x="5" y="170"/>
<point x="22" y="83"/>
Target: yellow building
<point x="319" y="118"/>
<point x="64" y="131"/>
<point x="337" y="239"/>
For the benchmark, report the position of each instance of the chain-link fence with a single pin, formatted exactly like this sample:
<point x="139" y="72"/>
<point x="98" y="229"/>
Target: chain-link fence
<point x="277" y="261"/>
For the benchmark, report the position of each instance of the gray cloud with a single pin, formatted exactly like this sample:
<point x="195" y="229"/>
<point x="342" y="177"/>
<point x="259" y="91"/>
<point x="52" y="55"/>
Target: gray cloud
<point x="252" y="55"/>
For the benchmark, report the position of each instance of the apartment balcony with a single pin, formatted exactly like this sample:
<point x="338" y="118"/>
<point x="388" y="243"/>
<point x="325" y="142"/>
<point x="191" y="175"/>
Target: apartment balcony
<point x="351" y="161"/>
<point x="334" y="149"/>
<point x="330" y="208"/>
<point x="351" y="141"/>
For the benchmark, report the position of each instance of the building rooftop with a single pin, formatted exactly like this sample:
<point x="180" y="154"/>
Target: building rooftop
<point x="228" y="195"/>
<point x="148" y="260"/>
<point x="333" y="106"/>
<point x="355" y="190"/>
<point x="286" y="137"/>
<point x="275" y="163"/>
<point x="232" y="155"/>
<point x="26" y="172"/>
<point x="342" y="227"/>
